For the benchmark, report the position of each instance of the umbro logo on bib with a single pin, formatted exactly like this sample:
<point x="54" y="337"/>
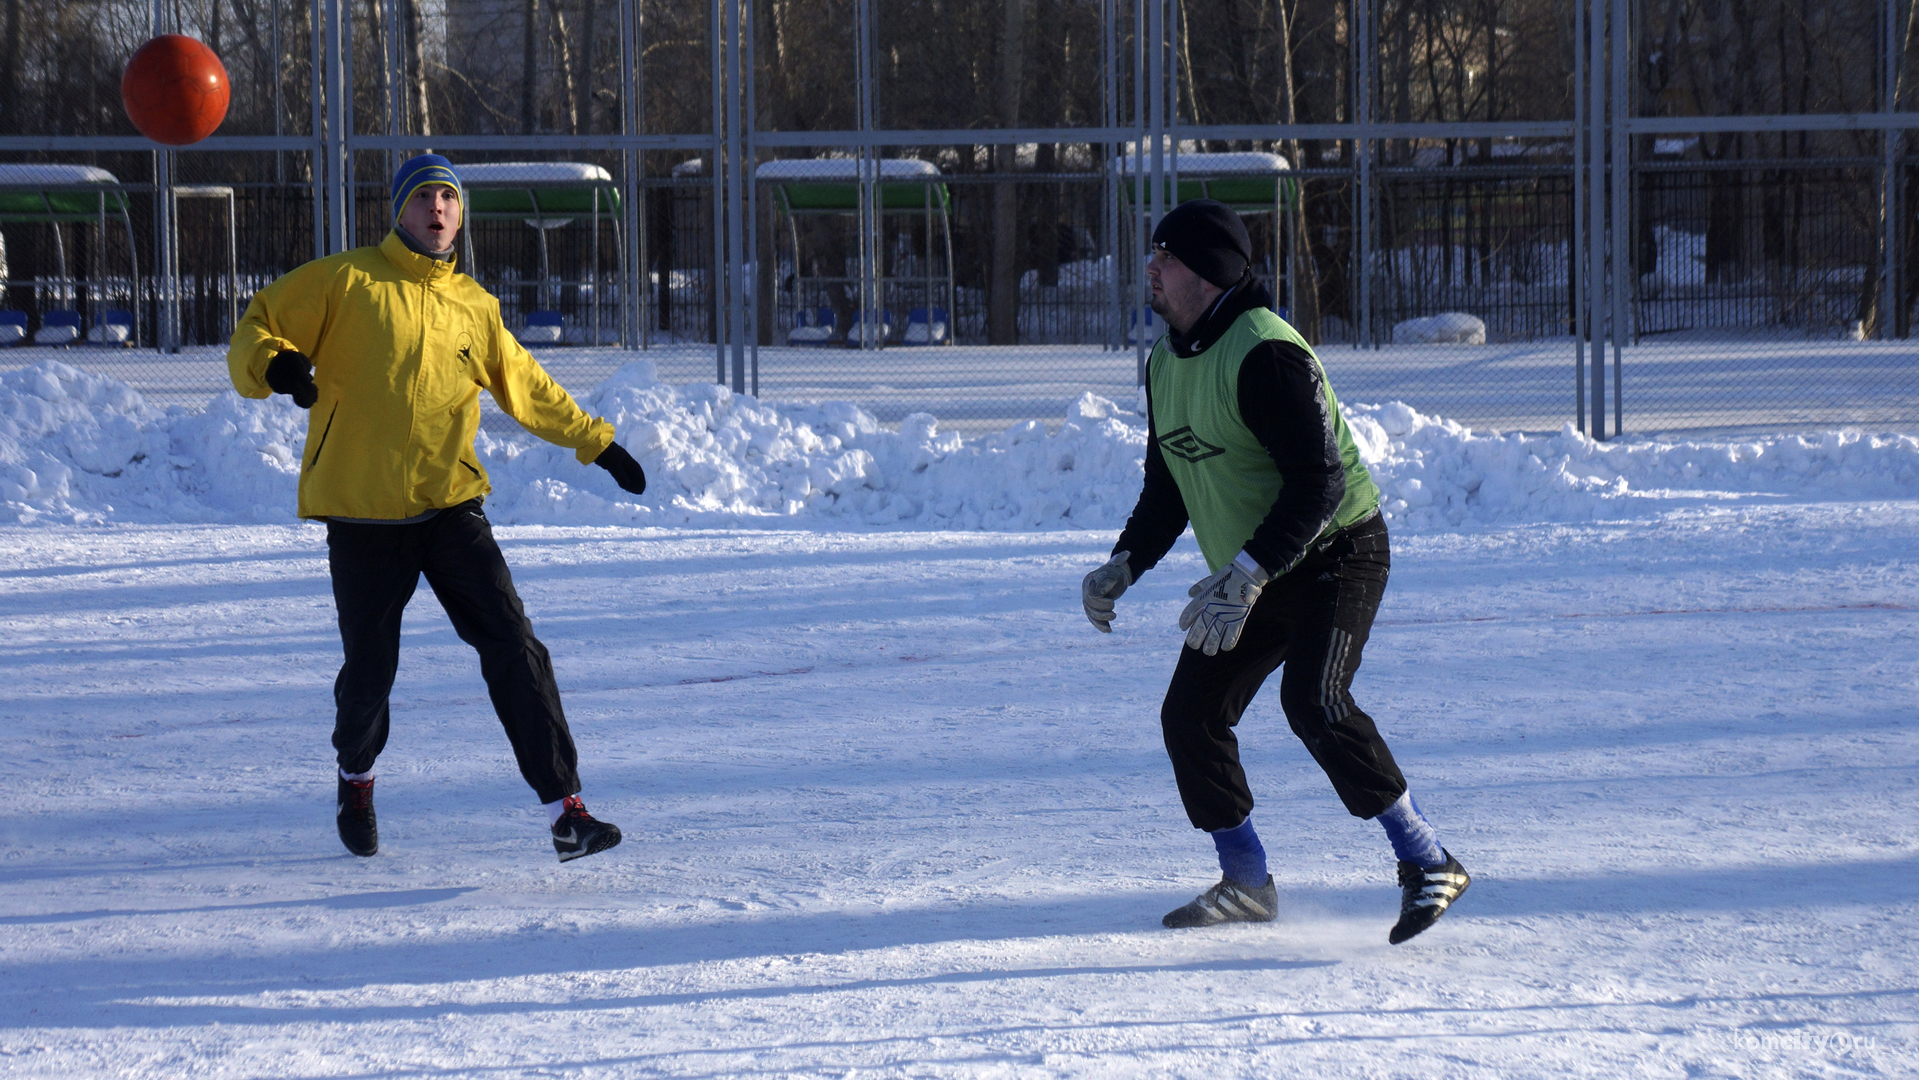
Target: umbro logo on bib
<point x="1188" y="445"/>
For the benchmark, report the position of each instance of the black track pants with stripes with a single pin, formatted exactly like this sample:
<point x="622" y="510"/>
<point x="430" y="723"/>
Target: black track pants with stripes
<point x="375" y="571"/>
<point x="1315" y="621"/>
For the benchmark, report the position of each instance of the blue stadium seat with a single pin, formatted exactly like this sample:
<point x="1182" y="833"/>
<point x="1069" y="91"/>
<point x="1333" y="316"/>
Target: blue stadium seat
<point x="813" y="327"/>
<point x="884" y="318"/>
<point x="926" y="327"/>
<point x="114" y="326"/>
<point x="58" y="328"/>
<point x="543" y="328"/>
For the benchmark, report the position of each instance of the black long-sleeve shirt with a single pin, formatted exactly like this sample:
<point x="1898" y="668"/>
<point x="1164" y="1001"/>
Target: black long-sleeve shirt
<point x="1282" y="401"/>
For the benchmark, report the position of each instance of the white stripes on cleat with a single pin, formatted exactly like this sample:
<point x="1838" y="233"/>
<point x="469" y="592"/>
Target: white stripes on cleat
<point x="1228" y="901"/>
<point x="1426" y="893"/>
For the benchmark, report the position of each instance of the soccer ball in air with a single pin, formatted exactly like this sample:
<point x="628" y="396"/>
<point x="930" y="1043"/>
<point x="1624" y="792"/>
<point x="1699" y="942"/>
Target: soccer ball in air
<point x="175" y="90"/>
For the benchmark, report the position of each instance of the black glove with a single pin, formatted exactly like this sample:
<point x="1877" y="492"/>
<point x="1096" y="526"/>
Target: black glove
<point x="291" y="373"/>
<point x="626" y="472"/>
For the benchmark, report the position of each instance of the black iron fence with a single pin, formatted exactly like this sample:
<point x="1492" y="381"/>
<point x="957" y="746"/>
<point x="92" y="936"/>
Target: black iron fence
<point x="1764" y="250"/>
<point x="1773" y="248"/>
<point x="1769" y="246"/>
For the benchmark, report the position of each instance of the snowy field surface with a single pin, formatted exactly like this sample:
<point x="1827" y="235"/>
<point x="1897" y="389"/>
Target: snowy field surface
<point x="893" y="809"/>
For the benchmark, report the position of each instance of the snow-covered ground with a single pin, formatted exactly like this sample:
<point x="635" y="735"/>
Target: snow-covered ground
<point x="893" y="809"/>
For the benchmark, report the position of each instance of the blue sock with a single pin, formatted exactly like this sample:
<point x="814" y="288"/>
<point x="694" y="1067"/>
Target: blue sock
<point x="1241" y="857"/>
<point x="1414" y="838"/>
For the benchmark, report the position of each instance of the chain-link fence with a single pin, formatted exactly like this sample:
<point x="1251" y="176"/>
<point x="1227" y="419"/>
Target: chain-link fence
<point x="1581" y="226"/>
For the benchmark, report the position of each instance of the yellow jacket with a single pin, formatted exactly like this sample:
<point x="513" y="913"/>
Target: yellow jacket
<point x="401" y="347"/>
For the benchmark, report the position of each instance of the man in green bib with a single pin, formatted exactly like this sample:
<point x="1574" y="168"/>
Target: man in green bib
<point x="1246" y="442"/>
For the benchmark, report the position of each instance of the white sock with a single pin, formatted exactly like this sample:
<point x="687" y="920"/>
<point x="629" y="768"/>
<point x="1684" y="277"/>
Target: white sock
<point x="553" y="811"/>
<point x="360" y="776"/>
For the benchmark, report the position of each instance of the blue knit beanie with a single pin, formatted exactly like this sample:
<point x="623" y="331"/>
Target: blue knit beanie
<point x="420" y="171"/>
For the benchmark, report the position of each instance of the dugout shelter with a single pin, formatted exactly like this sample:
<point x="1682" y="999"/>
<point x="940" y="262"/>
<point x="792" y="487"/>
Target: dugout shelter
<point x="901" y="248"/>
<point x="71" y="305"/>
<point x="549" y="196"/>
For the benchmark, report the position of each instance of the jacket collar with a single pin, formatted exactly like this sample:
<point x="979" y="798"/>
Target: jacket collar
<point x="1212" y="326"/>
<point x="422" y="268"/>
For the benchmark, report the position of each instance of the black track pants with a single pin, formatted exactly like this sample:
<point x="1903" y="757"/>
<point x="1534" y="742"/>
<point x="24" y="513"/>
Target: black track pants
<point x="1315" y="620"/>
<point x="375" y="570"/>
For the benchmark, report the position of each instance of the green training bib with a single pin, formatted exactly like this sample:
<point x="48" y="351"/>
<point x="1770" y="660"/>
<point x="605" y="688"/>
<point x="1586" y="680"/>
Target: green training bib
<point x="1227" y="478"/>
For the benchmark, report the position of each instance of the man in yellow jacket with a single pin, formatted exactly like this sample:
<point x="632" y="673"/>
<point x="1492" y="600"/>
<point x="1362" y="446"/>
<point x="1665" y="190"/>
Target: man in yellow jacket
<point x="389" y="348"/>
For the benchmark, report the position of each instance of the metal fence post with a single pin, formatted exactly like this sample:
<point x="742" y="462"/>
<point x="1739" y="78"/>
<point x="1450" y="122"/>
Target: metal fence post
<point x="1154" y="206"/>
<point x="166" y="262"/>
<point x="1110" y="178"/>
<point x="749" y="164"/>
<point x="316" y="18"/>
<point x="1888" y="173"/>
<point x="1364" y="179"/>
<point x="716" y="178"/>
<point x="1170" y="43"/>
<point x="1136" y="239"/>
<point x="339" y="171"/>
<point x="872" y="302"/>
<point x="1596" y="246"/>
<point x="632" y="164"/>
<point x="1577" y="241"/>
<point x="736" y="169"/>
<point x="1624" y="280"/>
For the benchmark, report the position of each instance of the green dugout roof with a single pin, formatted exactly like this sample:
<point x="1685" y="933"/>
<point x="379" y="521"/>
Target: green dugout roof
<point x="1247" y="181"/>
<point x="58" y="193"/>
<point x="832" y="185"/>
<point x="537" y="189"/>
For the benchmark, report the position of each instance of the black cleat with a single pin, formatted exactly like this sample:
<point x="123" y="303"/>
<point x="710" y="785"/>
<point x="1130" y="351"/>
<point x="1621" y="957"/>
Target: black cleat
<point x="1426" y="893"/>
<point x="1228" y="901"/>
<point x="358" y="829"/>
<point x="578" y="833"/>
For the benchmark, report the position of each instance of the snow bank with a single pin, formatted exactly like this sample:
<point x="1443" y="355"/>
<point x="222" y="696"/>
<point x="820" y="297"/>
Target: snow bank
<point x="81" y="448"/>
<point x="1433" y="473"/>
<point x="1450" y="328"/>
<point x="76" y="447"/>
<point x="710" y="453"/>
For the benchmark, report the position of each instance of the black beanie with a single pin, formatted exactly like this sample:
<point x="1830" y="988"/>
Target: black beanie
<point x="1209" y="238"/>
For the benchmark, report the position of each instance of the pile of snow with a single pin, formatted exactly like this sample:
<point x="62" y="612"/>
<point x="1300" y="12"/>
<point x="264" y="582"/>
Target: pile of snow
<point x="76" y="447"/>
<point x="84" y="448"/>
<point x="709" y="452"/>
<point x="1450" y="328"/>
<point x="1433" y="473"/>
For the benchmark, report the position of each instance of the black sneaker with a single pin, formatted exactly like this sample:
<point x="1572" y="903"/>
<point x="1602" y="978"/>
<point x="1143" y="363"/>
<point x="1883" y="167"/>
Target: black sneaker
<point x="358" y="830"/>
<point x="1426" y="893"/>
<point x="1228" y="901"/>
<point x="577" y="833"/>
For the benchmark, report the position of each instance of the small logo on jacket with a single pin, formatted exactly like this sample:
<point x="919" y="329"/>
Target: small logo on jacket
<point x="1188" y="445"/>
<point x="464" y="349"/>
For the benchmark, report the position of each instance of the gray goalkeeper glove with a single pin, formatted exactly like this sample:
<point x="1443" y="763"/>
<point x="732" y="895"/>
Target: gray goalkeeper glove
<point x="1216" y="616"/>
<point x="1103" y="586"/>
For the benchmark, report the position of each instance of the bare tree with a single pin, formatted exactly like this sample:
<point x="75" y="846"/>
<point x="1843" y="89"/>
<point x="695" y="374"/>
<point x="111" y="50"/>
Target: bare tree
<point x="10" y="97"/>
<point x="569" y="78"/>
<point x="530" y="66"/>
<point x="1304" y="271"/>
<point x="416" y="83"/>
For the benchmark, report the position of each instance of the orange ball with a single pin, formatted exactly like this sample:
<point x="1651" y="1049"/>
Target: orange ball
<point x="175" y="90"/>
